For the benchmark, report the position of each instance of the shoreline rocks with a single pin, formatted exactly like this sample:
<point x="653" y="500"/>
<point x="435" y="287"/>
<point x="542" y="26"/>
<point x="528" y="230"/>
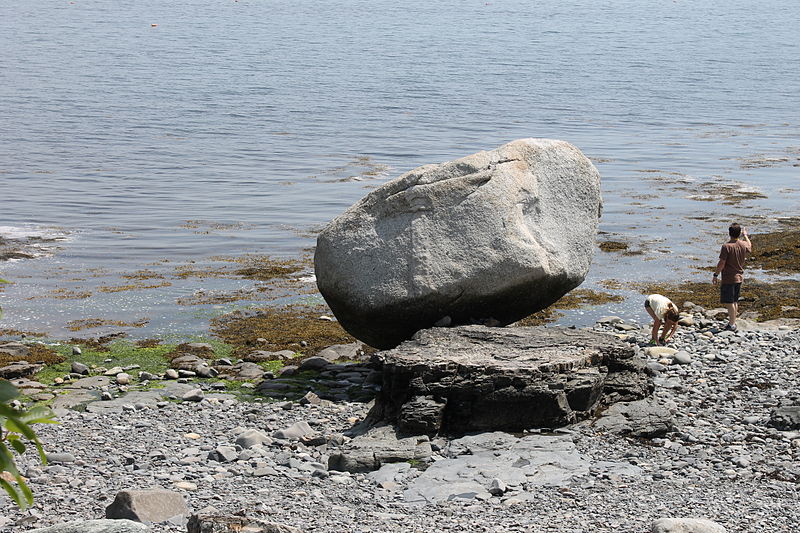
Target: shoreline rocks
<point x="474" y="378"/>
<point x="721" y="460"/>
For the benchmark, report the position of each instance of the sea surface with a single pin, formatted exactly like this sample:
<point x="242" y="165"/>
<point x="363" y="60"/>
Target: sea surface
<point x="152" y="134"/>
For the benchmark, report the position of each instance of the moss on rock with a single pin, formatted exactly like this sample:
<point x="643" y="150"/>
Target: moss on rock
<point x="293" y="328"/>
<point x="777" y="251"/>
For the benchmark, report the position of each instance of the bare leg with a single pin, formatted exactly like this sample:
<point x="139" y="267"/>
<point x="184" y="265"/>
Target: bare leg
<point x="656" y="324"/>
<point x="733" y="310"/>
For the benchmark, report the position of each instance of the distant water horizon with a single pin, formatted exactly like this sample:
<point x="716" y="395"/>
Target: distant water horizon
<point x="151" y="135"/>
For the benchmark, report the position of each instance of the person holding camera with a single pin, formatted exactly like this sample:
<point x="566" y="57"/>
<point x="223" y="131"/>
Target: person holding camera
<point x="731" y="266"/>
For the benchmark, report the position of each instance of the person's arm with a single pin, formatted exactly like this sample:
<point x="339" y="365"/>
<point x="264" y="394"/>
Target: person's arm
<point x="746" y="239"/>
<point x="671" y="332"/>
<point x="723" y="256"/>
<point x="720" y="266"/>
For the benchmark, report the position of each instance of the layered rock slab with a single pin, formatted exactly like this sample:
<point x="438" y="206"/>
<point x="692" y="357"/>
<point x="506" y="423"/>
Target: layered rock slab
<point x="95" y="526"/>
<point x="477" y="378"/>
<point x="494" y="236"/>
<point x="502" y="465"/>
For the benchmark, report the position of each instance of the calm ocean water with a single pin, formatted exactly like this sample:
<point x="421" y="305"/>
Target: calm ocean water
<point x="153" y="131"/>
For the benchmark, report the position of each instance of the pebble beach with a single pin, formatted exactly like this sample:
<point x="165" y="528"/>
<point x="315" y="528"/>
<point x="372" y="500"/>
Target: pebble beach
<point x="723" y="460"/>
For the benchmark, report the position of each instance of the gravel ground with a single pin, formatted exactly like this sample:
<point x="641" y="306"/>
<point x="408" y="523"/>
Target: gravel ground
<point x="723" y="462"/>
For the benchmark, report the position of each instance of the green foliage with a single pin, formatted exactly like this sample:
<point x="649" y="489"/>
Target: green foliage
<point x="3" y="281"/>
<point x="15" y="425"/>
<point x="272" y="366"/>
<point x="122" y="353"/>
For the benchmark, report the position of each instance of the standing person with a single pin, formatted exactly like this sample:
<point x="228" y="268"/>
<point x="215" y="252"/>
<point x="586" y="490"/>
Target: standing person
<point x="661" y="310"/>
<point x="731" y="265"/>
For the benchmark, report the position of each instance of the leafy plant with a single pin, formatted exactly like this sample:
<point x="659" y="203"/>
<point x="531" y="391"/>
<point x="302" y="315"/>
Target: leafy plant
<point x="3" y="281"/>
<point x="15" y="425"/>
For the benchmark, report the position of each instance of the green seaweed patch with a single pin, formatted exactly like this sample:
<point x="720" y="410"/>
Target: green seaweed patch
<point x="99" y="343"/>
<point x="357" y="169"/>
<point x="89" y="323"/>
<point x="266" y="272"/>
<point x="206" y="227"/>
<point x="540" y="318"/>
<point x="213" y="349"/>
<point x="121" y="353"/>
<point x="148" y="343"/>
<point x="728" y="193"/>
<point x="244" y="391"/>
<point x="295" y="328"/>
<point x="38" y="353"/>
<point x="777" y="251"/>
<point x="765" y="161"/>
<point x="133" y="287"/>
<point x="67" y="294"/>
<point x="143" y="275"/>
<point x="198" y="349"/>
<point x="779" y="299"/>
<point x="264" y="268"/>
<point x="575" y="299"/>
<point x="262" y="292"/>
<point x="11" y="332"/>
<point x="272" y="366"/>
<point x="255" y="267"/>
<point x="193" y="271"/>
<point x="613" y="246"/>
<point x="203" y="297"/>
<point x="612" y="284"/>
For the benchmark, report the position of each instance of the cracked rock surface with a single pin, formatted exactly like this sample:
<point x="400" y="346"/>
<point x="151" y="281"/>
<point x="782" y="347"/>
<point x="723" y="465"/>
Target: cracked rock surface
<point x="476" y="378"/>
<point x="494" y="236"/>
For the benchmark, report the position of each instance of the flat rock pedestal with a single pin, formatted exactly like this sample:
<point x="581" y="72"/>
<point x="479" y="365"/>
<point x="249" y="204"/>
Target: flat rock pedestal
<point x="476" y="379"/>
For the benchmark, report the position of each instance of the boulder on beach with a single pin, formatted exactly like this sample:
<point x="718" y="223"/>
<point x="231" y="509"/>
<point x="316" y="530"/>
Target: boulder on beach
<point x="490" y="238"/>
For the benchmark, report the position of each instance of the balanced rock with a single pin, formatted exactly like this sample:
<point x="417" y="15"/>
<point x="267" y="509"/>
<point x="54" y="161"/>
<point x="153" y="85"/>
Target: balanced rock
<point x="476" y="378"/>
<point x="490" y="238"/>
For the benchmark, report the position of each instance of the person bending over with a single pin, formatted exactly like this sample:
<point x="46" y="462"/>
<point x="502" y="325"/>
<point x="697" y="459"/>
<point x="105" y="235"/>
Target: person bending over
<point x="663" y="311"/>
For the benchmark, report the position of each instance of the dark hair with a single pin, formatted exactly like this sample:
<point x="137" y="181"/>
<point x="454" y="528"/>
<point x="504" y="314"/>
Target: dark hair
<point x="735" y="230"/>
<point x="672" y="313"/>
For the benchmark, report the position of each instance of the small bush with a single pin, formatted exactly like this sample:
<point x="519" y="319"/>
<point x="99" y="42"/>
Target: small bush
<point x="15" y="425"/>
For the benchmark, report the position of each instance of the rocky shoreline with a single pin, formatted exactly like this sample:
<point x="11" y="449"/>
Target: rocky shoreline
<point x="729" y="453"/>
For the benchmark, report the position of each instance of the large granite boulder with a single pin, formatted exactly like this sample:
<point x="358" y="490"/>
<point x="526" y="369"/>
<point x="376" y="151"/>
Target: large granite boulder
<point x="475" y="378"/>
<point x="494" y="236"/>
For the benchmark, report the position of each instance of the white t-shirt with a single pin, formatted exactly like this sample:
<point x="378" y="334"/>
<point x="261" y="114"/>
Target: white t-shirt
<point x="659" y="304"/>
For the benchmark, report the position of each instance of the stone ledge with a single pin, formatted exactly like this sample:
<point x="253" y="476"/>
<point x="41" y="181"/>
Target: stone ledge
<point x="476" y="378"/>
